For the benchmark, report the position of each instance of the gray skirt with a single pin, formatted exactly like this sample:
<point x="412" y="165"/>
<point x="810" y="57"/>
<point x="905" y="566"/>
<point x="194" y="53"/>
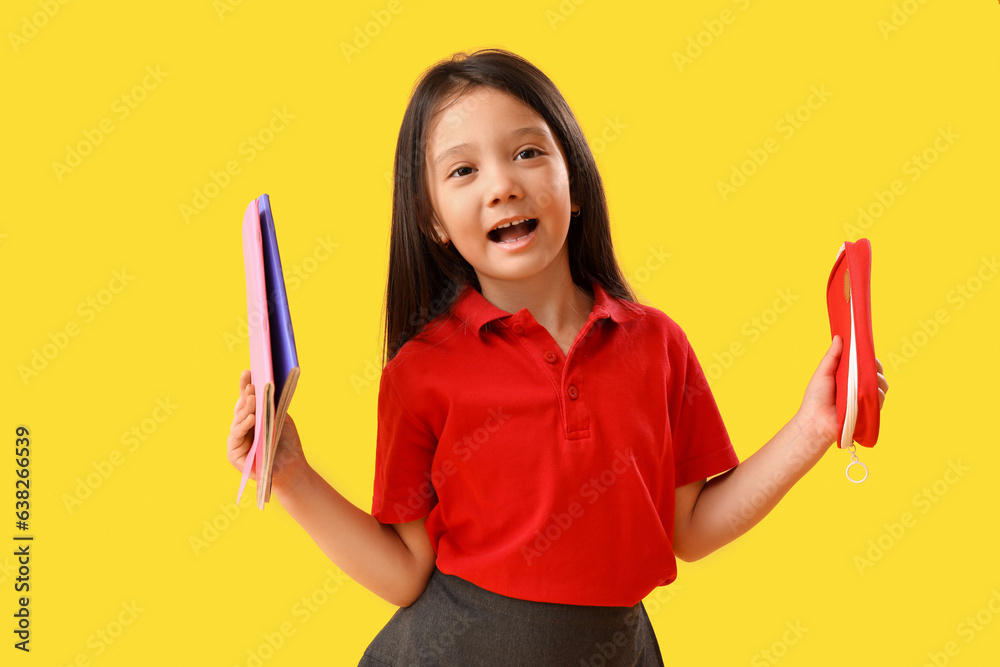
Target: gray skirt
<point x="455" y="622"/>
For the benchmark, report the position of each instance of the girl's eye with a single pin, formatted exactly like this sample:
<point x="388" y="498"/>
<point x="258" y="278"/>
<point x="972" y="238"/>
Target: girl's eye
<point x="534" y="152"/>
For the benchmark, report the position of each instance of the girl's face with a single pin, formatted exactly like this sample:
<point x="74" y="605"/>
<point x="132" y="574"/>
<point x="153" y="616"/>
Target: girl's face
<point x="492" y="160"/>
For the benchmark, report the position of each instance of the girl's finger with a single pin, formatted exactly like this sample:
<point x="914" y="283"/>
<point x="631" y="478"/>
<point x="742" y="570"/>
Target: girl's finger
<point x="242" y="405"/>
<point x="828" y="364"/>
<point x="244" y="380"/>
<point x="883" y="384"/>
<point x="241" y="425"/>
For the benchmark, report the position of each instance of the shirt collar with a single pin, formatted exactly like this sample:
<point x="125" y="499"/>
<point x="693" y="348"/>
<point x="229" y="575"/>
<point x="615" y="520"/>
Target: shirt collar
<point x="472" y="308"/>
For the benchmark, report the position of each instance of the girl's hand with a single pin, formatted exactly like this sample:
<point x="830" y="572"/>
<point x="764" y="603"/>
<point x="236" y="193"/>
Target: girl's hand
<point x="242" y="429"/>
<point x="817" y="416"/>
<point x="289" y="460"/>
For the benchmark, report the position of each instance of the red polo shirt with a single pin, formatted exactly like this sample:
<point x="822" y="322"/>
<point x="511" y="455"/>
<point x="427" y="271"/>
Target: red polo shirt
<point x="547" y="476"/>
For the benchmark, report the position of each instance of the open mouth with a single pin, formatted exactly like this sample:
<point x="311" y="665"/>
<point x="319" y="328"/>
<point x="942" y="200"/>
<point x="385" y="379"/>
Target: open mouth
<point x="513" y="232"/>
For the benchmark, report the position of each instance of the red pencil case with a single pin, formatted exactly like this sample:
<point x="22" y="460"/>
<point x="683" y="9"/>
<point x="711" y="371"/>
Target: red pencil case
<point x="848" y="302"/>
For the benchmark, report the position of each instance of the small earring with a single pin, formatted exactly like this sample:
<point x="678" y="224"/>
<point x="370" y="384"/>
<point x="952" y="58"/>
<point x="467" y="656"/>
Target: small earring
<point x="576" y="213"/>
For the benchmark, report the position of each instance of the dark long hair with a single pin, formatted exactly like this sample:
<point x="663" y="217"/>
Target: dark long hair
<point x="424" y="277"/>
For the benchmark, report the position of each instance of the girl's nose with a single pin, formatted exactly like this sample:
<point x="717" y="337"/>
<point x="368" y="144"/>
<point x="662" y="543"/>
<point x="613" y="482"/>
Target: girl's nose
<point x="504" y="185"/>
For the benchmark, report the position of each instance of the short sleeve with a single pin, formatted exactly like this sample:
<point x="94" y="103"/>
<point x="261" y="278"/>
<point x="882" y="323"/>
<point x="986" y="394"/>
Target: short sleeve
<point x="404" y="454"/>
<point x="701" y="444"/>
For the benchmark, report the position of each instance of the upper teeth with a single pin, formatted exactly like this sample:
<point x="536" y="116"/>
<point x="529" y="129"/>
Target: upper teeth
<point x="508" y="224"/>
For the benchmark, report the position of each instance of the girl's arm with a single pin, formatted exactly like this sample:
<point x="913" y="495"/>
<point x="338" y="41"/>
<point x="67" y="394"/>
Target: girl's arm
<point x="711" y="514"/>
<point x="393" y="561"/>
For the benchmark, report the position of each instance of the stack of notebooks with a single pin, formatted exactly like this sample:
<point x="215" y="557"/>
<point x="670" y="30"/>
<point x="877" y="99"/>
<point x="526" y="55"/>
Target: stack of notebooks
<point x="274" y="364"/>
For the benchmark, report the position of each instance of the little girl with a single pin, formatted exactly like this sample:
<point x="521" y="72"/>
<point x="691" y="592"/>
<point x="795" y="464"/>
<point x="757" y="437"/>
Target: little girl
<point x="544" y="442"/>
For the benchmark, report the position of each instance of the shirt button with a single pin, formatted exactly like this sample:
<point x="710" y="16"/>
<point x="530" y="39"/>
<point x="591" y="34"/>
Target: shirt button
<point x="517" y="327"/>
<point x="573" y="393"/>
<point x="550" y="357"/>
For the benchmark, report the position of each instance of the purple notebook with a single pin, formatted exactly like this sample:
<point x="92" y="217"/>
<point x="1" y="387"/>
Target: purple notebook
<point x="283" y="355"/>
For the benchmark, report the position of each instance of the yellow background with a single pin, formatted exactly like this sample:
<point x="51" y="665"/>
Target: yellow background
<point x="665" y="132"/>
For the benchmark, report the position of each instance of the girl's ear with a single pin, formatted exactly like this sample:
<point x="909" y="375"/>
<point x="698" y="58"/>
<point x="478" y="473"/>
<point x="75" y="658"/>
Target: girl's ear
<point x="439" y="230"/>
